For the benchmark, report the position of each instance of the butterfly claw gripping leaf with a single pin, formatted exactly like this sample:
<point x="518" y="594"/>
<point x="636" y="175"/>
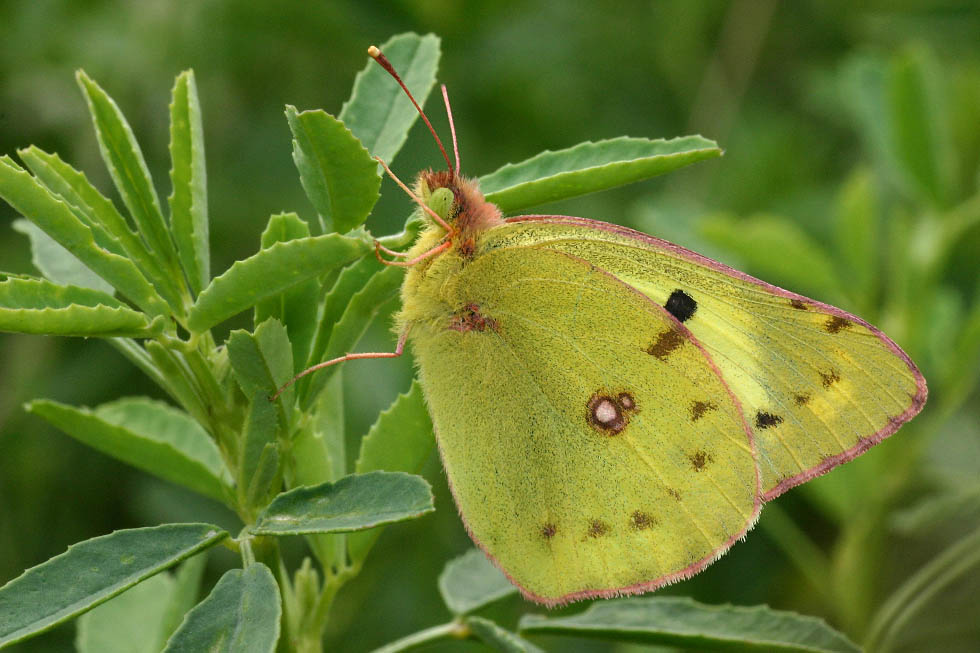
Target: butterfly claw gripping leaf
<point x="612" y="410"/>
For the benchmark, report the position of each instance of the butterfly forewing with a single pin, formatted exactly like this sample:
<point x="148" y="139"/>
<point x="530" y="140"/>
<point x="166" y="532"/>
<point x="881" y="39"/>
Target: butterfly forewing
<point x="818" y="385"/>
<point x="592" y="446"/>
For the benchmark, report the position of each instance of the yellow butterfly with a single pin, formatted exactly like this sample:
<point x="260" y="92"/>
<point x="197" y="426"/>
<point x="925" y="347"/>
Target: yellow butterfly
<point x="612" y="410"/>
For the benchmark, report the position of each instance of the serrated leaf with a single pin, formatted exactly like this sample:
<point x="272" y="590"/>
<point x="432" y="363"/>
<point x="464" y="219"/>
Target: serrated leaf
<point x="498" y="638"/>
<point x="350" y="280"/>
<point x="109" y="228"/>
<point x="129" y="623"/>
<point x="57" y="263"/>
<point x="40" y="307"/>
<point x="92" y="572"/>
<point x="590" y="167"/>
<point x="401" y="440"/>
<point x="353" y="503"/>
<point x="258" y="450"/>
<point x="149" y="435"/>
<point x="188" y="175"/>
<point x="800" y="262"/>
<point x="124" y="159"/>
<point x="470" y="582"/>
<point x="262" y="363"/>
<point x="240" y="615"/>
<point x="337" y="172"/>
<point x="362" y="308"/>
<point x="269" y="272"/>
<point x="378" y="113"/>
<point x="297" y="307"/>
<point x="683" y="622"/>
<point x="53" y="215"/>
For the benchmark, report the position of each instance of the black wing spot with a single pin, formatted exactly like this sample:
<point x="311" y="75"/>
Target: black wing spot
<point x="681" y="305"/>
<point x="598" y="528"/>
<point x="699" y="459"/>
<point x="801" y="399"/>
<point x="640" y="521"/>
<point x="828" y="379"/>
<point x="548" y="531"/>
<point x="699" y="408"/>
<point x="765" y="420"/>
<point x="798" y="304"/>
<point x="666" y="343"/>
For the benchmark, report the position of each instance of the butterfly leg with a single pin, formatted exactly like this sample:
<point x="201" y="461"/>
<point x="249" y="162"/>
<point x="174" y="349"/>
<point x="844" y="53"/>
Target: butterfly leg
<point x="399" y="348"/>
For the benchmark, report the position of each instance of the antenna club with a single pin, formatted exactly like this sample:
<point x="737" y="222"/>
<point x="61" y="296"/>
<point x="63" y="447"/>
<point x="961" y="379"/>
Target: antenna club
<point x="374" y="52"/>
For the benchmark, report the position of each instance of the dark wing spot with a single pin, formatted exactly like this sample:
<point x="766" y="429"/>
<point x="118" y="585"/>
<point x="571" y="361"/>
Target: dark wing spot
<point x="469" y="318"/>
<point x="606" y="414"/>
<point x="765" y="420"/>
<point x="674" y="493"/>
<point x="699" y="408"/>
<point x="829" y="378"/>
<point x="598" y="528"/>
<point x="836" y="324"/>
<point x="641" y="520"/>
<point x="626" y="401"/>
<point x="699" y="459"/>
<point x="666" y="342"/>
<point x="801" y="399"/>
<point x="548" y="531"/>
<point x="681" y="305"/>
<point x="798" y="305"/>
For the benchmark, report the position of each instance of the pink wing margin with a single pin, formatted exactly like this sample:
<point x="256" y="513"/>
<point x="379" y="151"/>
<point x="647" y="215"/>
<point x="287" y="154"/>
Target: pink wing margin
<point x="670" y="249"/>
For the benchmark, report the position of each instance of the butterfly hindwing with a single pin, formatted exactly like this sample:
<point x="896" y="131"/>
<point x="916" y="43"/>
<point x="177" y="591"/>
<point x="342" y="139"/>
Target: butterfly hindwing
<point x="818" y="386"/>
<point x="592" y="446"/>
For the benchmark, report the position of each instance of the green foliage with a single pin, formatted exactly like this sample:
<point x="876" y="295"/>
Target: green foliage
<point x="879" y="213"/>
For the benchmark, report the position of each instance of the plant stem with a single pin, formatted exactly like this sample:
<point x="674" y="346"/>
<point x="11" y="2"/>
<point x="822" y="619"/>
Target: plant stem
<point x="920" y="588"/>
<point x="454" y="629"/>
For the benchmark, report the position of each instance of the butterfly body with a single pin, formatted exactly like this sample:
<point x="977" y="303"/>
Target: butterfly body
<point x="611" y="409"/>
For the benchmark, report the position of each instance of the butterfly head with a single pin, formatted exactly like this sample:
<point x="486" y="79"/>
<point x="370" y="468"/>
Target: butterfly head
<point x="458" y="201"/>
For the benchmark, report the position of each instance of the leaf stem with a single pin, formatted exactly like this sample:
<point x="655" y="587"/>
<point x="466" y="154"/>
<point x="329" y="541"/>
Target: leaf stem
<point x="455" y="629"/>
<point x="920" y="588"/>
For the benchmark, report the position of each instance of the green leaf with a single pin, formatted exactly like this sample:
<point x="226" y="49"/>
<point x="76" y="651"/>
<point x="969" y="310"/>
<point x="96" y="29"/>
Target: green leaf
<point x="856" y="229"/>
<point x="499" y="638"/>
<point x="189" y="199"/>
<point x="400" y="440"/>
<point x="149" y="435"/>
<point x="800" y="262"/>
<point x="590" y="167"/>
<point x="57" y="263"/>
<point x="240" y="615"/>
<point x="187" y="586"/>
<point x="297" y="307"/>
<point x="338" y="174"/>
<point x="109" y="228"/>
<point x="173" y="376"/>
<point x="129" y="623"/>
<point x="350" y="280"/>
<point x="262" y="363"/>
<point x="270" y="272"/>
<point x="317" y="455"/>
<point x="92" y="572"/>
<point x="124" y="159"/>
<point x="470" y="582"/>
<point x="54" y="216"/>
<point x="919" y="133"/>
<point x="685" y="623"/>
<point x="259" y="450"/>
<point x="360" y="311"/>
<point x="41" y="307"/>
<point x="378" y="113"/>
<point x="354" y="502"/>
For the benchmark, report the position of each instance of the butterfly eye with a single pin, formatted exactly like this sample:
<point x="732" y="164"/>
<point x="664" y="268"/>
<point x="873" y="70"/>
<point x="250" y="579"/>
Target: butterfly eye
<point x="441" y="201"/>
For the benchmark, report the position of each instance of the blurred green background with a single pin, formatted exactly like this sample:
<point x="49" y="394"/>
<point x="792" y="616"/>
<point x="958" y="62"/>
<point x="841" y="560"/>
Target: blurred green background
<point x="852" y="139"/>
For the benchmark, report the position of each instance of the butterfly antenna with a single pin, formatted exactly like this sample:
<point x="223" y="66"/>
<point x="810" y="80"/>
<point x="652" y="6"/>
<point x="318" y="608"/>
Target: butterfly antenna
<point x="415" y="198"/>
<point x="452" y="127"/>
<point x="376" y="54"/>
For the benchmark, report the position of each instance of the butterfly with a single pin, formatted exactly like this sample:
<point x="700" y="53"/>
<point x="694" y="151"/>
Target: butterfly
<point x="612" y="410"/>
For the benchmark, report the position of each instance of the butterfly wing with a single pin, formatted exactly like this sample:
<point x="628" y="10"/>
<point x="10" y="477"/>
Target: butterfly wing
<point x="818" y="386"/>
<point x="592" y="446"/>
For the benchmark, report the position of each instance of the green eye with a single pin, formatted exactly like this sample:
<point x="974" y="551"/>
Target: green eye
<point x="441" y="201"/>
